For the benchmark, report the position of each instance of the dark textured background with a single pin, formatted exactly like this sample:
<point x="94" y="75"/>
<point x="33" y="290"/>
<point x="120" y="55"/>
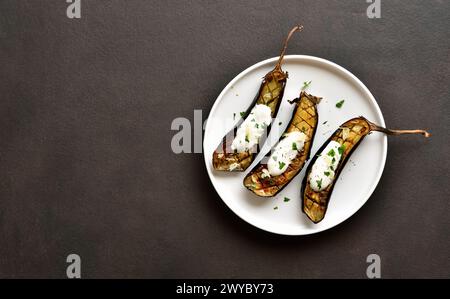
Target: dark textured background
<point x="85" y="161"/>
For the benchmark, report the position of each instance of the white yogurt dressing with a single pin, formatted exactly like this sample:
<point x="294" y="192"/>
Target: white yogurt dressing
<point x="251" y="130"/>
<point x="323" y="170"/>
<point x="284" y="152"/>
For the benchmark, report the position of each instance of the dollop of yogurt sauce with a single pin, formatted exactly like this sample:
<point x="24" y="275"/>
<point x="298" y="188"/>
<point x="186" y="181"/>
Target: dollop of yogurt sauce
<point x="323" y="170"/>
<point x="285" y="151"/>
<point x="253" y="127"/>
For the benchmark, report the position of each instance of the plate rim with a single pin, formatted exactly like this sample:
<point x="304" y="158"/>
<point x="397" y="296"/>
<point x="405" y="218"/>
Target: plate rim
<point x="333" y="65"/>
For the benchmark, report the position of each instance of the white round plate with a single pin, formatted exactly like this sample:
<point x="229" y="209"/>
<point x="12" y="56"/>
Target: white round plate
<point x="357" y="180"/>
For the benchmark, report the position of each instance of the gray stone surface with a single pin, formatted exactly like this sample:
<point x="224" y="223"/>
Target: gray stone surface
<point x="85" y="160"/>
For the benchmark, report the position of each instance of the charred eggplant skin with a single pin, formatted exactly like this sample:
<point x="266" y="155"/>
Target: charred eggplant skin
<point x="315" y="204"/>
<point x="305" y="118"/>
<point x="271" y="94"/>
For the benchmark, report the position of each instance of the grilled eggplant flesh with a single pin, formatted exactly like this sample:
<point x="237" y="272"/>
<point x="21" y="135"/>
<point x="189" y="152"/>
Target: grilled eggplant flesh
<point x="304" y="119"/>
<point x="270" y="94"/>
<point x="350" y="134"/>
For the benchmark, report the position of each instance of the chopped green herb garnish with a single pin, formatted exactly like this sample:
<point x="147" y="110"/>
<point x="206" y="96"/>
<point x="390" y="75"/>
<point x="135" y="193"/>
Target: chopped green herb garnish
<point x="331" y="167"/>
<point x="281" y="165"/>
<point x="331" y="153"/>
<point x="334" y="160"/>
<point x="242" y="114"/>
<point x="341" y="149"/>
<point x="275" y="208"/>
<point x="327" y="173"/>
<point x="253" y="120"/>
<point x="257" y="126"/>
<point x="325" y="122"/>
<point x="294" y="146"/>
<point x="286" y="199"/>
<point x="306" y="85"/>
<point x="319" y="183"/>
<point x="303" y="129"/>
<point x="275" y="158"/>
<point x="246" y="138"/>
<point x="340" y="104"/>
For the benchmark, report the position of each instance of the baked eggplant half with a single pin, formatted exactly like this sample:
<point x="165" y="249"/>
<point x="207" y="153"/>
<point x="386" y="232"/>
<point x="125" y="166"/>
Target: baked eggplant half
<point x="240" y="146"/>
<point x="326" y="166"/>
<point x="289" y="155"/>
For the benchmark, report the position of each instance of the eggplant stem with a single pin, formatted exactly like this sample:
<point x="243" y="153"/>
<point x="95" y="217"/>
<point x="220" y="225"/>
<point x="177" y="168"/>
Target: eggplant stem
<point x="285" y="44"/>
<point x="314" y="99"/>
<point x="374" y="127"/>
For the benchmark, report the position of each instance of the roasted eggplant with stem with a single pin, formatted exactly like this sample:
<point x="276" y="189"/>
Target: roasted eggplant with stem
<point x="239" y="147"/>
<point x="289" y="155"/>
<point x="326" y="166"/>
